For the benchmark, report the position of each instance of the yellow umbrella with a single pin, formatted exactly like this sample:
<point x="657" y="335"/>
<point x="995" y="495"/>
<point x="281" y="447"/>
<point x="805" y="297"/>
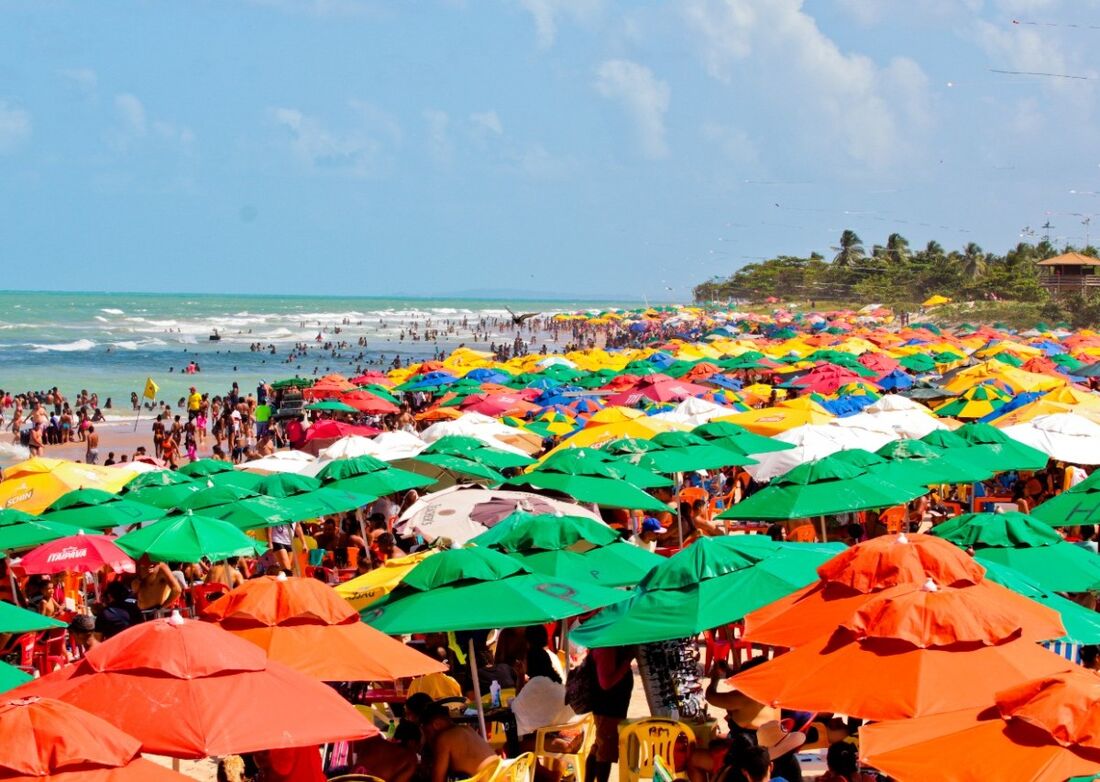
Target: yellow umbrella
<point x="643" y="428"/>
<point x="614" y="415"/>
<point x="935" y="301"/>
<point x="770" y="421"/>
<point x="363" y="590"/>
<point x="31" y="486"/>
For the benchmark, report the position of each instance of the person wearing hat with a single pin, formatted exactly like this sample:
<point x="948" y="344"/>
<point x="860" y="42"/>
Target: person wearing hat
<point x="650" y="531"/>
<point x="782" y="744"/>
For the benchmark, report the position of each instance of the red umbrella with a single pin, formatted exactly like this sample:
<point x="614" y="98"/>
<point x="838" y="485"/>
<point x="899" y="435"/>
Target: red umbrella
<point x="46" y="739"/>
<point x="664" y="390"/>
<point x="879" y="363"/>
<point x="366" y="402"/>
<point x="189" y="689"/>
<point x="826" y="379"/>
<point x="497" y="404"/>
<point x="78" y="554"/>
<point x="374" y="376"/>
<point x="304" y="624"/>
<point x="329" y="387"/>
<point x="325" y="432"/>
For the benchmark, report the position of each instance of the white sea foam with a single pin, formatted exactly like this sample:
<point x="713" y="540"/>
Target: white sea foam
<point x="76" y="346"/>
<point x="111" y="311"/>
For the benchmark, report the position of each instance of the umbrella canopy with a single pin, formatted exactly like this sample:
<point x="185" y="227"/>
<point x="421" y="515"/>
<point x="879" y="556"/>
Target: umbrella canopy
<point x="333" y="406"/>
<point x="822" y="488"/>
<point x="976" y="402"/>
<point x="999" y="450"/>
<point x="11" y="677"/>
<point x="370" y="476"/>
<point x="1027" y="545"/>
<point x="919" y="649"/>
<point x="711" y="583"/>
<point x="479" y="589"/>
<point x="852" y="577"/>
<point x="1072" y="508"/>
<point x="1067" y="437"/>
<point x="98" y="509"/>
<point x="478" y="451"/>
<point x="304" y="624"/>
<point x="911" y="460"/>
<point x="1082" y="624"/>
<point x="1041" y="730"/>
<point x="19" y="530"/>
<point x="363" y="590"/>
<point x="77" y="554"/>
<point x="454" y="463"/>
<point x="205" y="468"/>
<point x="14" y="619"/>
<point x="35" y="483"/>
<point x="165" y="496"/>
<point x="588" y="475"/>
<point x="741" y="438"/>
<point x="189" y="689"/>
<point x="47" y="739"/>
<point x="189" y="538"/>
<point x="616" y="565"/>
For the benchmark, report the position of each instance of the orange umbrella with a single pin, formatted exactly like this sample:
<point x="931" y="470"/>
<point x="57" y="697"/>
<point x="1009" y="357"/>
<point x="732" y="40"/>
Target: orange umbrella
<point x="46" y="739"/>
<point x="189" y="689"/>
<point x="304" y="624"/>
<point x="1045" y="730"/>
<point x="909" y="651"/>
<point x="852" y="577"/>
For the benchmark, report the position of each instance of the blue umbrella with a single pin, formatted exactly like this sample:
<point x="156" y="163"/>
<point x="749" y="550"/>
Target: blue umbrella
<point x="725" y="381"/>
<point x="1021" y="399"/>
<point x="895" y="380"/>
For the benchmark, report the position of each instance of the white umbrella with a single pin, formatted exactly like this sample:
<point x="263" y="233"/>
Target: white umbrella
<point x="896" y="402"/>
<point x="489" y="430"/>
<point x="895" y="423"/>
<point x="297" y="462"/>
<point x="693" y="412"/>
<point x="816" y="441"/>
<point x="1067" y="437"/>
<point x="461" y="513"/>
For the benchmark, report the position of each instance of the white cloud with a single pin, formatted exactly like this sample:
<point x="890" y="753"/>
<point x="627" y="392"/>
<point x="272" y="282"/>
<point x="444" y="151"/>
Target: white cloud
<point x="873" y="112"/>
<point x="645" y="98"/>
<point x="487" y="121"/>
<point x="15" y="126"/>
<point x="546" y="14"/>
<point x="84" y="79"/>
<point x="439" y="141"/>
<point x="131" y="112"/>
<point x="353" y="153"/>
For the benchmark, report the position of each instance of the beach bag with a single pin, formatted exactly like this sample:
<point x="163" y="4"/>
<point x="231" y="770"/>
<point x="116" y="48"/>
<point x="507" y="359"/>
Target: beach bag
<point x="582" y="686"/>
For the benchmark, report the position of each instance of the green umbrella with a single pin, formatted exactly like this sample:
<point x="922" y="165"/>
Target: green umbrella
<point x="165" y="496"/>
<point x="204" y="468"/>
<point x="1074" y="507"/>
<point x="478" y="451"/>
<point x="189" y="538"/>
<point x="730" y="434"/>
<point x="238" y="478"/>
<point x="608" y="492"/>
<point x="14" y="619"/>
<point x="331" y="406"/>
<point x="686" y="452"/>
<point x="524" y="531"/>
<point x="1027" y="545"/>
<point x="822" y="488"/>
<point x="998" y="451"/>
<point x="460" y="465"/>
<point x="19" y="530"/>
<point x="480" y="589"/>
<point x="628" y="446"/>
<point x="211" y="496"/>
<point x="918" y="362"/>
<point x="711" y="583"/>
<point x="615" y="565"/>
<point x="1082" y="624"/>
<point x="99" y="510"/>
<point x="930" y="464"/>
<point x="310" y="495"/>
<point x="292" y="382"/>
<point x="11" y="677"/>
<point x="591" y="462"/>
<point x="351" y="468"/>
<point x="286" y="484"/>
<point x="381" y="392"/>
<point x="383" y="482"/>
<point x="157" y="478"/>
<point x="258" y="512"/>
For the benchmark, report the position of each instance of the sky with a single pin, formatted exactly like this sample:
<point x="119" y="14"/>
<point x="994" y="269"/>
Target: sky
<point x="568" y="147"/>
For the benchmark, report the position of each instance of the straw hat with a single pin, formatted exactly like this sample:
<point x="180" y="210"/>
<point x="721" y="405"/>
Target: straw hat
<point x="777" y="740"/>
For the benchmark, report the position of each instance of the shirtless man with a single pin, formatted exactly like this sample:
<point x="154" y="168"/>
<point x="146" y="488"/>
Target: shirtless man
<point x="457" y="750"/>
<point x="155" y="585"/>
<point x="91" y="455"/>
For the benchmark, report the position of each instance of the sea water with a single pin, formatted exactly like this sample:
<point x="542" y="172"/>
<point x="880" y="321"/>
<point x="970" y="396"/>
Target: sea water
<point x="109" y="343"/>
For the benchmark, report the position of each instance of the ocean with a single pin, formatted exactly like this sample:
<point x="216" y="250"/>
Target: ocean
<point x="109" y="343"/>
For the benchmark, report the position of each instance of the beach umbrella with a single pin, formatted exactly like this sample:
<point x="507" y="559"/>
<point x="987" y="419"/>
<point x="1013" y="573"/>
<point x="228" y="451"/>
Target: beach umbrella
<point x="212" y="496"/>
<point x="709" y="584"/>
<point x="47" y="739"/>
<point x="989" y="445"/>
<point x="311" y="495"/>
<point x="461" y="513"/>
<point x="33" y="484"/>
<point x="159" y="478"/>
<point x="569" y="547"/>
<point x="480" y="589"/>
<point x="363" y="590"/>
<point x="822" y="488"/>
<point x="97" y="509"/>
<point x="1072" y="508"/>
<point x="852" y="577"/>
<point x="814" y="442"/>
<point x="368" y="475"/>
<point x="166" y="496"/>
<point x="205" y="468"/>
<point x="587" y="475"/>
<point x="1027" y="545"/>
<point x="11" y="677"/>
<point x="332" y="406"/>
<point x="976" y="402"/>
<point x="189" y="689"/>
<point x="919" y="649"/>
<point x="770" y="421"/>
<point x="281" y="462"/>
<point x="1082" y="624"/>
<point x="19" y="530"/>
<point x="326" y="432"/>
<point x="478" y="451"/>
<point x="305" y="625"/>
<point x="14" y="619"/>
<point x="187" y="537"/>
<point x="79" y="553"/>
<point x="741" y="438"/>
<point x="1067" y="437"/>
<point x="1042" y="730"/>
<point x="928" y="464"/>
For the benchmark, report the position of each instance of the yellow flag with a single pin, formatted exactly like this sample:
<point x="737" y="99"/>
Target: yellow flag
<point x="151" y="389"/>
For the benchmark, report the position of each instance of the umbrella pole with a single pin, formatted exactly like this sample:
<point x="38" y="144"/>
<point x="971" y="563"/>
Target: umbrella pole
<point x="824" y="531"/>
<point x="679" y="508"/>
<point x="477" y="691"/>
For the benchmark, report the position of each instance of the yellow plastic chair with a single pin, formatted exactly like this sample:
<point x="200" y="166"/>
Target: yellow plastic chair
<point x="522" y="769"/>
<point x="642" y="741"/>
<point x="575" y="761"/>
<point x="487" y="774"/>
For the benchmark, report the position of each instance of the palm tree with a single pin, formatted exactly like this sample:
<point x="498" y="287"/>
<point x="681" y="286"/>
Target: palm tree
<point x="849" y="250"/>
<point x="897" y="248"/>
<point x="973" y="261"/>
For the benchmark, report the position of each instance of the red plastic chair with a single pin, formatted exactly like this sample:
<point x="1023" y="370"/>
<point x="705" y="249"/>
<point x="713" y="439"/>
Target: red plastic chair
<point x="719" y="646"/>
<point x="203" y="595"/>
<point x="49" y="652"/>
<point x="27" y="644"/>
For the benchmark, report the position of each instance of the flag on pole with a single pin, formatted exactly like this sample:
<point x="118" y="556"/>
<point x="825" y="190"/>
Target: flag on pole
<point x="151" y="389"/>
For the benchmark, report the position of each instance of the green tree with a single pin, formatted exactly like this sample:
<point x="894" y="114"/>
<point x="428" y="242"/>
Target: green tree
<point x="849" y="250"/>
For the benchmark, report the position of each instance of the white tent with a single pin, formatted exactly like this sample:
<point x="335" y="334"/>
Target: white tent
<point x="1067" y="437"/>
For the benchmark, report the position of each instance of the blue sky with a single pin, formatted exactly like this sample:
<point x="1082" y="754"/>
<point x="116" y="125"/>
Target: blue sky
<point x="568" y="146"/>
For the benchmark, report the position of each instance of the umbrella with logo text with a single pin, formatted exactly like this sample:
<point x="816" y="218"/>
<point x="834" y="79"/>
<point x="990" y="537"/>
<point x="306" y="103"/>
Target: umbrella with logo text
<point x="1074" y="507"/>
<point x="80" y="553"/>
